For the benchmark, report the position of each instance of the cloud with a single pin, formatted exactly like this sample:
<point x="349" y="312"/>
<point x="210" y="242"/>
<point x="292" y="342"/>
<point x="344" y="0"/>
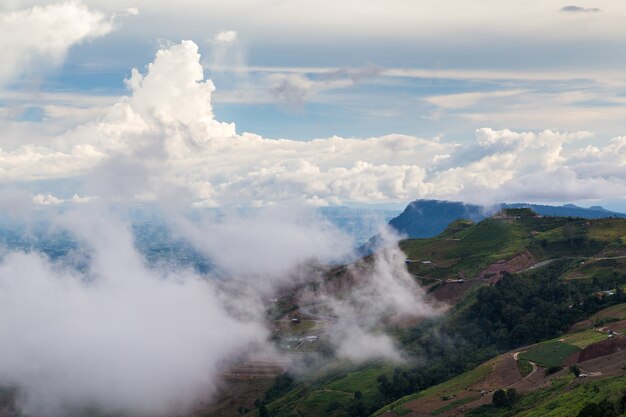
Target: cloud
<point x="354" y="24"/>
<point x="578" y="9"/>
<point x="463" y="100"/>
<point x="226" y="52"/>
<point x="120" y="336"/>
<point x="225" y="36"/>
<point x="292" y="89"/>
<point x="46" y="200"/>
<point x="380" y="290"/>
<point x="42" y="35"/>
<point x="295" y="89"/>
<point x="165" y="129"/>
<point x="298" y="236"/>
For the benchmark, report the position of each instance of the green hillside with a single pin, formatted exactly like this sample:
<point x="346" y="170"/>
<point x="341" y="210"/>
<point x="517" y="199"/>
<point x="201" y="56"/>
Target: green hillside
<point x="466" y="248"/>
<point x="551" y="394"/>
<point x="565" y="398"/>
<point x="331" y="392"/>
<point x="514" y="280"/>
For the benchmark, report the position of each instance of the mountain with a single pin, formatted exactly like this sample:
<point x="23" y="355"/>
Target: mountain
<point x="428" y="218"/>
<point x="524" y="293"/>
<point x="568" y="210"/>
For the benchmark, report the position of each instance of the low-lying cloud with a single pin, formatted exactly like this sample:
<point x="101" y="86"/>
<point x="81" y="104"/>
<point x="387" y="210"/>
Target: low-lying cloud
<point x="380" y="291"/>
<point x="120" y="336"/>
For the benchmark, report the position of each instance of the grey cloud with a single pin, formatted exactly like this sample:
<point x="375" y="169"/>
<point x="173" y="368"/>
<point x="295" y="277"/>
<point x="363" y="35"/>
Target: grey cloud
<point x="295" y="89"/>
<point x="292" y="90"/>
<point x="356" y="75"/>
<point x="578" y="9"/>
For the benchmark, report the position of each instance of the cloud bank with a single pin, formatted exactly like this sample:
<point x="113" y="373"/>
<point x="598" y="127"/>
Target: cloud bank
<point x="166" y="129"/>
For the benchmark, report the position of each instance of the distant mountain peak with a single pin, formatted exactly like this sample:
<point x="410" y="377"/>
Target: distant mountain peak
<point x="428" y="218"/>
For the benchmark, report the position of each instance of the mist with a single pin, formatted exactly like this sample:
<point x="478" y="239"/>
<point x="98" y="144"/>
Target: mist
<point x="120" y="336"/>
<point x="102" y="326"/>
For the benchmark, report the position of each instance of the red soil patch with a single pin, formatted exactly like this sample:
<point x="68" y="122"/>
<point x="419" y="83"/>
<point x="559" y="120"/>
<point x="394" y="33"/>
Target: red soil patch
<point x="603" y="348"/>
<point x="612" y="364"/>
<point x="241" y="384"/>
<point x="453" y="292"/>
<point x="617" y="327"/>
<point x="503" y="374"/>
<point x="233" y="395"/>
<point x="517" y="263"/>
<point x="581" y="325"/>
<point x="532" y="382"/>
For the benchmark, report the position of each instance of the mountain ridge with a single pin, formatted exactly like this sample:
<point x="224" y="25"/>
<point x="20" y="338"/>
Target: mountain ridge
<point x="428" y="218"/>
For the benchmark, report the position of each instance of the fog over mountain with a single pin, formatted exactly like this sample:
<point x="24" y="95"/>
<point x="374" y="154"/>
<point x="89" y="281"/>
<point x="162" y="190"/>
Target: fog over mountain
<point x="146" y="240"/>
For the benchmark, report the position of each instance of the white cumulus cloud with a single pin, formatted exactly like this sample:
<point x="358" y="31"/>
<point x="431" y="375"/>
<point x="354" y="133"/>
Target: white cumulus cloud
<point x="166" y="133"/>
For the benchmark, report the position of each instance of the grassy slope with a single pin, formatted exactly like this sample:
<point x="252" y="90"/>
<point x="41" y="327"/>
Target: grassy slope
<point x="468" y="250"/>
<point x="312" y="398"/>
<point x="471" y="247"/>
<point x="487" y="242"/>
<point x="617" y="312"/>
<point x="550" y="353"/>
<point x="597" y="268"/>
<point x="448" y="388"/>
<point x="585" y="338"/>
<point x="565" y="398"/>
<point x="544" y="354"/>
<point x="524" y="367"/>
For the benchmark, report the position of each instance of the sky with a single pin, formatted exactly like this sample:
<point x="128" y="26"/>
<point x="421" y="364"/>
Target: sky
<point x="265" y="102"/>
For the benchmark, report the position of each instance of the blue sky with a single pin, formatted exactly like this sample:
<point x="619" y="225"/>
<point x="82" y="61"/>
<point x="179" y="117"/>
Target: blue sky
<point x="305" y="70"/>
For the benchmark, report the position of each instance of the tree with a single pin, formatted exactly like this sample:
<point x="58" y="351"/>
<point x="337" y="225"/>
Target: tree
<point x="500" y="399"/>
<point x="607" y="408"/>
<point x="575" y="370"/>
<point x="263" y="411"/>
<point x="282" y="384"/>
<point x="590" y="410"/>
<point x="511" y="396"/>
<point x="384" y="386"/>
